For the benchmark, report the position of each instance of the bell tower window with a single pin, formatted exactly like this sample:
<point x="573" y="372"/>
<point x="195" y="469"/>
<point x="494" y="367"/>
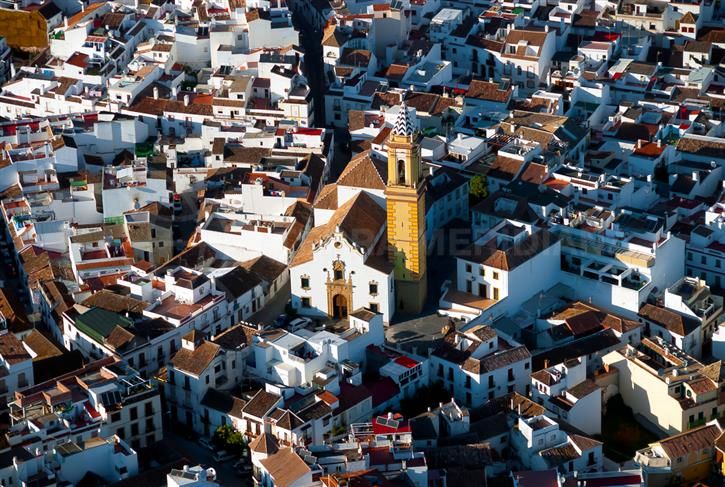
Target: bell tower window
<point x="401" y="171"/>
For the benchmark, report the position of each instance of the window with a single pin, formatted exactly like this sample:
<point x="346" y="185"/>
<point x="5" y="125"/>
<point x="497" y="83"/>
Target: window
<point x="468" y="267"/>
<point x="468" y="398"/>
<point x="115" y="417"/>
<point x="339" y="274"/>
<point x="495" y="293"/>
<point x="374" y="307"/>
<point x="689" y="256"/>
<point x="133" y="412"/>
<point x="482" y="272"/>
<point x="305" y="282"/>
<point x="149" y="409"/>
<point x="134" y="429"/>
<point x="490" y="381"/>
<point x="703" y="260"/>
<point x="373" y="287"/>
<point x="495" y="275"/>
<point x="306" y="303"/>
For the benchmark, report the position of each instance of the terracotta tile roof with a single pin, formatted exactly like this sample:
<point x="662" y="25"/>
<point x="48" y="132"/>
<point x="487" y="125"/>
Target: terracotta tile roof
<point x="396" y="71"/>
<point x="158" y="107"/>
<point x="113" y="302"/>
<point x="327" y="199"/>
<point x="235" y="337"/>
<point x="289" y="421"/>
<point x="702" y="147"/>
<point x="484" y="90"/>
<point x="543" y="376"/>
<point x="508" y="259"/>
<point x="505" y="168"/>
<point x="559" y="455"/>
<point x="223" y="402"/>
<point x="265" y="267"/>
<point x="387" y="99"/>
<point x="78" y="59"/>
<point x="712" y="371"/>
<point x="87" y="12"/>
<point x="41" y="346"/>
<point x="692" y="441"/>
<point x="364" y="171"/>
<point x="583" y="389"/>
<point x="649" y="149"/>
<point x="702" y="385"/>
<point x="285" y="467"/>
<point x="261" y="404"/>
<point x="119" y="338"/>
<point x="674" y="322"/>
<point x="264" y="443"/>
<point x="584" y="443"/>
<point x="197" y="360"/>
<point x="422" y="102"/>
<point x="12" y="350"/>
<point x="15" y="316"/>
<point x="535" y="173"/>
<point x="334" y="38"/>
<point x="360" y="219"/>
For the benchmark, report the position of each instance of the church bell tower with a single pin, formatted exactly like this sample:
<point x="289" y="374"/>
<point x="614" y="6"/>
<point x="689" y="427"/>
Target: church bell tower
<point x="405" y="199"/>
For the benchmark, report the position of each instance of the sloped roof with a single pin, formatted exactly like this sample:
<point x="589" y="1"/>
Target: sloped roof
<point x="360" y="219"/>
<point x="197" y="360"/>
<point x="285" y="467"/>
<point x="364" y="171"/>
<point x="264" y="443"/>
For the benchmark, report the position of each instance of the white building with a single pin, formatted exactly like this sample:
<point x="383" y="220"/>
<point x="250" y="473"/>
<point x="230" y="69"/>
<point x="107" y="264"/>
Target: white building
<point x="340" y="267"/>
<point x="480" y="364"/>
<point x="565" y="391"/>
<point x="16" y="365"/>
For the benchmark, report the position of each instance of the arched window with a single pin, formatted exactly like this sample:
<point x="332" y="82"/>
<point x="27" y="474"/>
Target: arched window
<point x="401" y="171"/>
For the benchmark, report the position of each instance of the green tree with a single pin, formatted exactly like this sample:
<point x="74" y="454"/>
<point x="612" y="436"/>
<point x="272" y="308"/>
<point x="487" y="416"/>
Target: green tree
<point x="222" y="435"/>
<point x="235" y="443"/>
<point x="478" y="188"/>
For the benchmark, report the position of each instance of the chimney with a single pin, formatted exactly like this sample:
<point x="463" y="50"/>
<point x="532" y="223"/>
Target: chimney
<point x="156" y="92"/>
<point x="546" y="363"/>
<point x="546" y="28"/>
<point x="695" y="176"/>
<point x="186" y="100"/>
<point x="659" y="142"/>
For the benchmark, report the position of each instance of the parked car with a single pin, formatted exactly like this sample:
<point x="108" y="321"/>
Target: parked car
<point x="178" y="206"/>
<point x="298" y="324"/>
<point x="223" y="456"/>
<point x="206" y="443"/>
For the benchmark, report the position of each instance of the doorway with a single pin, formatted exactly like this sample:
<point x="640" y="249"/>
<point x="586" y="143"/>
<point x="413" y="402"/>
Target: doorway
<point x="339" y="306"/>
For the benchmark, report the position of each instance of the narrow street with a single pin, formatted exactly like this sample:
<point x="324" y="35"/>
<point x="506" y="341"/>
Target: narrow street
<point x="313" y="67"/>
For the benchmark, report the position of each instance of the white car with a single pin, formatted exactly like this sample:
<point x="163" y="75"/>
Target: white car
<point x="298" y="324"/>
<point x="223" y="456"/>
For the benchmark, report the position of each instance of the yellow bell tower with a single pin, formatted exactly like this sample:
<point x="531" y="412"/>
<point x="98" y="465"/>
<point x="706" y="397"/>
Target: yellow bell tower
<point x="405" y="199"/>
